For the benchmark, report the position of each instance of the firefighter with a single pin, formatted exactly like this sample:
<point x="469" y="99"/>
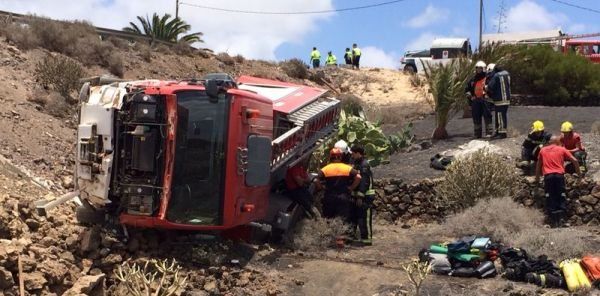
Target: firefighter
<point x="572" y="142"/>
<point x="331" y="59"/>
<point x="348" y="56"/>
<point x="475" y="91"/>
<point x="340" y="181"/>
<point x="356" y="53"/>
<point x="315" y="58"/>
<point x="363" y="197"/>
<point x="551" y="164"/>
<point x="343" y="145"/>
<point x="296" y="183"/>
<point x="535" y="140"/>
<point x="498" y="90"/>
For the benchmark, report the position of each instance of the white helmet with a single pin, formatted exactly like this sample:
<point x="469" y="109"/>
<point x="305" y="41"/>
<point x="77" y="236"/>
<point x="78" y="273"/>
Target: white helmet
<point x="490" y="67"/>
<point x="480" y="64"/>
<point x="342" y="145"/>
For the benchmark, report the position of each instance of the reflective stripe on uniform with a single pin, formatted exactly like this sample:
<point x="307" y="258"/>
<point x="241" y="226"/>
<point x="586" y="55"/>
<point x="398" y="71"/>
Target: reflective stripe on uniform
<point x="337" y="169"/>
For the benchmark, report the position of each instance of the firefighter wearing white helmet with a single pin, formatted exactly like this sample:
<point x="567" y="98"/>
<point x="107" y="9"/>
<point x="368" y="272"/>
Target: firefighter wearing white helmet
<point x="343" y="146"/>
<point x="480" y="109"/>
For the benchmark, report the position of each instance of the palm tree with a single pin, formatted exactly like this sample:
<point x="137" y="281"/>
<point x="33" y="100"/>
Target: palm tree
<point x="446" y="84"/>
<point x="164" y="28"/>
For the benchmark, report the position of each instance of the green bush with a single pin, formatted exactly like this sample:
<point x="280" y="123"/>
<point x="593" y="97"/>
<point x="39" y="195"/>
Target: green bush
<point x="541" y="71"/>
<point x="479" y="175"/>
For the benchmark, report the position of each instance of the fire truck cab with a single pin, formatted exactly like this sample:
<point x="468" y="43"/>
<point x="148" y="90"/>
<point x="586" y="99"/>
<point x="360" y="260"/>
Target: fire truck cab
<point x="587" y="48"/>
<point x="195" y="155"/>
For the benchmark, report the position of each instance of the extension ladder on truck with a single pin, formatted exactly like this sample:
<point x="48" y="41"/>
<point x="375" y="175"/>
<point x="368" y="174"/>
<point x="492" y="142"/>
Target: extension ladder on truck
<point x="314" y="123"/>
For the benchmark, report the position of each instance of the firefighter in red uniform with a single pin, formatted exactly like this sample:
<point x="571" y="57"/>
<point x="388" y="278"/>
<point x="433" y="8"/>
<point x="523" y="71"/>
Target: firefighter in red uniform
<point x="296" y="183"/>
<point x="363" y="197"/>
<point x="551" y="165"/>
<point x="572" y="142"/>
<point x="340" y="180"/>
<point x="480" y="108"/>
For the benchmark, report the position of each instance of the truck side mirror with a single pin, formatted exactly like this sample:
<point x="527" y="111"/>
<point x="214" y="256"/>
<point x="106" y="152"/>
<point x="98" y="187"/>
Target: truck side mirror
<point x="258" y="170"/>
<point x="212" y="88"/>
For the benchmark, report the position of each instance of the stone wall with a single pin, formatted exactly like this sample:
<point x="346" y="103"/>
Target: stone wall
<point x="398" y="201"/>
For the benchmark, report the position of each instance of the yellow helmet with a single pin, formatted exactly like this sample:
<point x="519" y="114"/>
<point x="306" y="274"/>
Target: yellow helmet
<point x="538" y="126"/>
<point x="566" y="127"/>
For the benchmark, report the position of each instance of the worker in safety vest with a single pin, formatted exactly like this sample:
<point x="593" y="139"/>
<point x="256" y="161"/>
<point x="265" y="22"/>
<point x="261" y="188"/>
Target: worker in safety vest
<point x="551" y="164"/>
<point x="535" y="140"/>
<point x="480" y="108"/>
<point x="572" y="142"/>
<point x="363" y="196"/>
<point x="498" y="90"/>
<point x="315" y="58"/>
<point x="348" y="56"/>
<point x="331" y="59"/>
<point x="356" y="53"/>
<point x="340" y="180"/>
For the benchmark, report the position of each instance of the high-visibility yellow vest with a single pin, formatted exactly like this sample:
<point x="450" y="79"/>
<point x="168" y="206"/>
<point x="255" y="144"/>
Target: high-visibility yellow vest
<point x="331" y="60"/>
<point x="315" y="55"/>
<point x="356" y="52"/>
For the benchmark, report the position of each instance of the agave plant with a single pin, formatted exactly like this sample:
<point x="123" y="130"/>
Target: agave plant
<point x="446" y="84"/>
<point x="164" y="28"/>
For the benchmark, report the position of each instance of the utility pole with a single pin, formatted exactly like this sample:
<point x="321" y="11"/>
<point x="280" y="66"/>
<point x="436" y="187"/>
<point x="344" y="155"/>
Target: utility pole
<point x="480" y="23"/>
<point x="176" y="8"/>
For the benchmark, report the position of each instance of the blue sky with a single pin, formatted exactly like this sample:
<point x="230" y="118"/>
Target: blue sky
<point x="384" y="33"/>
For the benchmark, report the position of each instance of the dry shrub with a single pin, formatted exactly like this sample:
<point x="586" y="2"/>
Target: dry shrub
<point x="161" y="48"/>
<point x="351" y="104"/>
<point x="416" y="80"/>
<point x="226" y="59"/>
<point x="144" y="51"/>
<point x="557" y="243"/>
<point x="58" y="106"/>
<point x="596" y="128"/>
<point x="239" y="59"/>
<point x="295" y="68"/>
<point x="19" y="35"/>
<point x="183" y="48"/>
<point x="479" y="175"/>
<point x="119" y="43"/>
<point x="59" y="72"/>
<point x="115" y="64"/>
<point x="316" y="235"/>
<point x="63" y="37"/>
<point x="499" y="218"/>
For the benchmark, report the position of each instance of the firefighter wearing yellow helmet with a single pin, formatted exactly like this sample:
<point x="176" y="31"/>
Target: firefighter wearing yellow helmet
<point x="572" y="142"/>
<point x="534" y="141"/>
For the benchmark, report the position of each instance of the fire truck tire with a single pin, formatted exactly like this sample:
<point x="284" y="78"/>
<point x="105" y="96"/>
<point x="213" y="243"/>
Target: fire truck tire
<point x="86" y="214"/>
<point x="286" y="236"/>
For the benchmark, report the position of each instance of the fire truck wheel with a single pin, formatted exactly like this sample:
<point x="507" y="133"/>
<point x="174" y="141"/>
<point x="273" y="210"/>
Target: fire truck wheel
<point x="286" y="237"/>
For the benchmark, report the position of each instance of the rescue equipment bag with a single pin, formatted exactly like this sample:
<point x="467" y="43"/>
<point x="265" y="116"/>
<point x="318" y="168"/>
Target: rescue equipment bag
<point x="439" y="262"/>
<point x="486" y="269"/>
<point x="592" y="267"/>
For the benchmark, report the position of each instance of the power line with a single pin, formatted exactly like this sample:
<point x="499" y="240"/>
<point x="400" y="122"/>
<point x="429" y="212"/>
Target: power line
<point x="577" y="6"/>
<point x="293" y="12"/>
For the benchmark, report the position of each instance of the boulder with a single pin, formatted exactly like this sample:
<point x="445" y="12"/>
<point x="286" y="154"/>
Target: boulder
<point x="90" y="239"/>
<point x="589" y="199"/>
<point x="6" y="279"/>
<point x="86" y="284"/>
<point x="34" y="281"/>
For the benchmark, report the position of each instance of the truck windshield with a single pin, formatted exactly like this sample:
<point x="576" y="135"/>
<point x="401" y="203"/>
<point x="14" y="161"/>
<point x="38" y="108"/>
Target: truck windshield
<point x="197" y="188"/>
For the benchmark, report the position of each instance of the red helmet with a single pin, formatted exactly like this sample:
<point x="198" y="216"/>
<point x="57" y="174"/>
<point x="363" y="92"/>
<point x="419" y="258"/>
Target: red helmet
<point x="336" y="152"/>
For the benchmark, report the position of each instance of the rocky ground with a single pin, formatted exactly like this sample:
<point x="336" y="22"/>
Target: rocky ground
<point x="60" y="257"/>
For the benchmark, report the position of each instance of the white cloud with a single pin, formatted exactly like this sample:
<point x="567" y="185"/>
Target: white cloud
<point x="254" y="36"/>
<point x="577" y="28"/>
<point x="429" y="16"/>
<point x="375" y="57"/>
<point x="527" y="15"/>
<point x="422" y="42"/>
